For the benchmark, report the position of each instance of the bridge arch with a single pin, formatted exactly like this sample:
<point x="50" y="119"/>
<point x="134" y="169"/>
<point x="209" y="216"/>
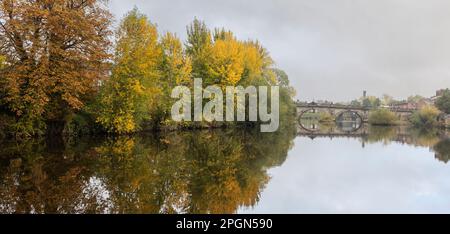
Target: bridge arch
<point x="300" y="117"/>
<point x="358" y="116"/>
<point x="304" y="111"/>
<point x="336" y="111"/>
<point x="356" y="113"/>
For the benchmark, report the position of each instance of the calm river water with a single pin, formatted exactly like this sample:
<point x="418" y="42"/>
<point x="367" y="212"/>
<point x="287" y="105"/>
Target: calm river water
<point x="378" y="170"/>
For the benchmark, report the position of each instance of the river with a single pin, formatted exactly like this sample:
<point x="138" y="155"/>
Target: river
<point x="383" y="170"/>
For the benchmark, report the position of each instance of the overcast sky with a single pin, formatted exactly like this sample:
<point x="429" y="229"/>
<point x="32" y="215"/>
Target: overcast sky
<point x="330" y="49"/>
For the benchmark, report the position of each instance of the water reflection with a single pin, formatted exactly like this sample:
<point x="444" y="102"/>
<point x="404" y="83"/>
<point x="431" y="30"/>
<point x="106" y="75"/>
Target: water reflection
<point x="315" y="126"/>
<point x="374" y="170"/>
<point x="217" y="171"/>
<point x="442" y="150"/>
<point x="188" y="172"/>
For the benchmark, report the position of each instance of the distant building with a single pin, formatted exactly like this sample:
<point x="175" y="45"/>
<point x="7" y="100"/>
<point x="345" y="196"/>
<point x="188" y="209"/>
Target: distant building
<point x="405" y="105"/>
<point x="418" y="103"/>
<point x="439" y="93"/>
<point x="424" y="102"/>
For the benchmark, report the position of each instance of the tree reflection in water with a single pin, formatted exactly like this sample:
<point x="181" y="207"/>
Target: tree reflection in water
<point x="436" y="139"/>
<point x="217" y="171"/>
<point x="189" y="172"/>
<point x="442" y="150"/>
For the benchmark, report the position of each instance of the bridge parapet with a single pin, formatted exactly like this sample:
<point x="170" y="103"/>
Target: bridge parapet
<point x="333" y="106"/>
<point x="350" y="107"/>
<point x="334" y="110"/>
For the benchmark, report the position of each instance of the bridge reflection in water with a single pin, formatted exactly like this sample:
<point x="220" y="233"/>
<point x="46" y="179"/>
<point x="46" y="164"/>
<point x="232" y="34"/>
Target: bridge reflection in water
<point x="312" y="126"/>
<point x="351" y="122"/>
<point x="315" y="129"/>
<point x="438" y="140"/>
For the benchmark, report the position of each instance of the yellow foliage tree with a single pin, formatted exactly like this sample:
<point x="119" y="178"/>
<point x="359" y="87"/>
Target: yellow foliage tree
<point x="127" y="98"/>
<point x="227" y="62"/>
<point x="254" y="64"/>
<point x="175" y="69"/>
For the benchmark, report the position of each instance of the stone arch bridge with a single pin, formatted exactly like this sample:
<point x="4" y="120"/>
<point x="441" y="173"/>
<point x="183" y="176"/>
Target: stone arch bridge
<point x="356" y="126"/>
<point x="337" y="111"/>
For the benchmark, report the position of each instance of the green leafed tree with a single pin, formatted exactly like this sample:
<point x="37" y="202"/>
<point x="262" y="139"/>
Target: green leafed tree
<point x="382" y="117"/>
<point x="176" y="69"/>
<point x="443" y="102"/>
<point x="426" y="117"/>
<point x="199" y="46"/>
<point x="387" y="100"/>
<point x="371" y="101"/>
<point x="127" y="99"/>
<point x="415" y="98"/>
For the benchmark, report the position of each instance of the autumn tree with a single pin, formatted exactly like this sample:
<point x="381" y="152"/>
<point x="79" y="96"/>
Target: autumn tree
<point x="219" y="58"/>
<point x="258" y="65"/>
<point x="127" y="99"/>
<point x="176" y="68"/>
<point x="198" y="47"/>
<point x="54" y="59"/>
<point x="56" y="53"/>
<point x="226" y="65"/>
<point x="235" y="62"/>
